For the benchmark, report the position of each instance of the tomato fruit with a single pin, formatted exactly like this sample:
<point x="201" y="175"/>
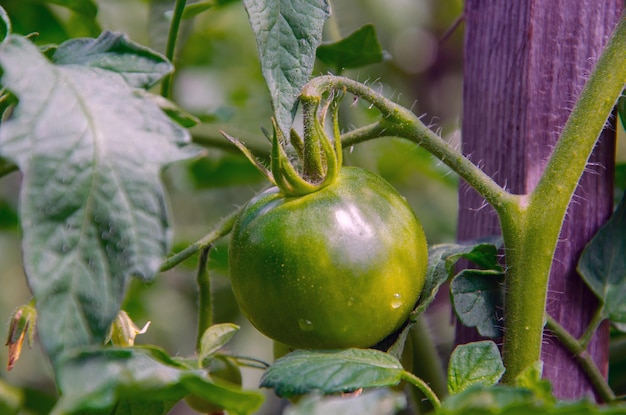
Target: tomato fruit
<point x="339" y="267"/>
<point x="221" y="369"/>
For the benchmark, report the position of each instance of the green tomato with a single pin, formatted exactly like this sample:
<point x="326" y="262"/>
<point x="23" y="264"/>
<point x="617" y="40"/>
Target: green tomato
<point x="221" y="369"/>
<point x="340" y="267"/>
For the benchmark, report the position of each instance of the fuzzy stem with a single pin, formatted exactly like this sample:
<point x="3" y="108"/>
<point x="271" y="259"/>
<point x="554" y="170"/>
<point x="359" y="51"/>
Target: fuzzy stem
<point x="398" y="121"/>
<point x="423" y="387"/>
<point x="596" y="320"/>
<point x="179" y="8"/>
<point x="583" y="358"/>
<point x="205" y="297"/>
<point x="222" y="228"/>
<point x="531" y="234"/>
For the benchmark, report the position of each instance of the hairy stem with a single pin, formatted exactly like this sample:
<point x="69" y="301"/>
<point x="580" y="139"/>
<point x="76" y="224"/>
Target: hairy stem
<point x="423" y="387"/>
<point x="583" y="358"/>
<point x="531" y="234"/>
<point x="179" y="8"/>
<point x="222" y="228"/>
<point x="205" y="296"/>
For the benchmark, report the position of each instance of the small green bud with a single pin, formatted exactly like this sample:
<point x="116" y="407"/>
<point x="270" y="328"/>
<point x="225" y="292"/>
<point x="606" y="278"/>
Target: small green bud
<point x="21" y="325"/>
<point x="123" y="330"/>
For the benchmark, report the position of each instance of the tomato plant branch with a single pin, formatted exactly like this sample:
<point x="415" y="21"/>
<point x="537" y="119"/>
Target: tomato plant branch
<point x="222" y="228"/>
<point x="398" y="121"/>
<point x="205" y="296"/>
<point x="596" y="320"/>
<point x="179" y="8"/>
<point x="423" y="387"/>
<point x="531" y="234"/>
<point x="583" y="358"/>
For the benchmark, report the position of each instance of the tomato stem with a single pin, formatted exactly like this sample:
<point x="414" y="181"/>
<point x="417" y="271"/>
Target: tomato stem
<point x="179" y="8"/>
<point x="423" y="387"/>
<point x="205" y="296"/>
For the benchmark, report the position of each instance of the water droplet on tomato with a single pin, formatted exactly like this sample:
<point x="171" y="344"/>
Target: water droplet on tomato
<point x="397" y="301"/>
<point x="305" y="325"/>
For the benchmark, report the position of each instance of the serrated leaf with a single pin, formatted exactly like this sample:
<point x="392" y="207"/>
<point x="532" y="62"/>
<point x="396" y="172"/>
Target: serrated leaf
<point x="477" y="363"/>
<point x="360" y="48"/>
<point x="602" y="265"/>
<point x="480" y="399"/>
<point x="141" y="67"/>
<point x="5" y="24"/>
<point x="99" y="379"/>
<point x="478" y="299"/>
<point x="331" y="371"/>
<point x="443" y="257"/>
<point x="214" y="338"/>
<point x="531" y="379"/>
<point x="287" y="33"/>
<point x="92" y="205"/>
<point x="375" y="402"/>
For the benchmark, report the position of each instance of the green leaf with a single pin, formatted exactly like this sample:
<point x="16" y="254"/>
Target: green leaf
<point x="86" y="8"/>
<point x="94" y="381"/>
<point x="172" y="110"/>
<point x="139" y="66"/>
<point x="374" y="402"/>
<point x="478" y="299"/>
<point x="477" y="363"/>
<point x="5" y="24"/>
<point x="194" y="9"/>
<point x="441" y="261"/>
<point x="287" y="32"/>
<point x="331" y="371"/>
<point x="92" y="205"/>
<point x="360" y="48"/>
<point x="603" y="265"/>
<point x="480" y="399"/>
<point x="214" y="338"/>
<point x="531" y="379"/>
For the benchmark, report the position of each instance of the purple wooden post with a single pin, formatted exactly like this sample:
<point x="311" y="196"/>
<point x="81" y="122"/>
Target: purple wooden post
<point x="525" y="64"/>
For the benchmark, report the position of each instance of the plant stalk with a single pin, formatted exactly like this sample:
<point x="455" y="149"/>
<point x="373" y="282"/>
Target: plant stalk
<point x="179" y="8"/>
<point x="584" y="360"/>
<point x="205" y="296"/>
<point x="531" y="234"/>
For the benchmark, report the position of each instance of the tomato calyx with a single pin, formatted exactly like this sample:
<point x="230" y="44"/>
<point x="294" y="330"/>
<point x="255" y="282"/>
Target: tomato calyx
<point x="318" y="159"/>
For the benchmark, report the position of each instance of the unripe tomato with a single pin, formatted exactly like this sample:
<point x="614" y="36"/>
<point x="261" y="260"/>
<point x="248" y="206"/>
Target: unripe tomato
<point x="340" y="267"/>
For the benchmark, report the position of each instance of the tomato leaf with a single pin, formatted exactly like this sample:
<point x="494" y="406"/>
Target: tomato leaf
<point x="5" y="24"/>
<point x="374" y="402"/>
<point x="331" y="371"/>
<point x="140" y="66"/>
<point x="602" y="265"/>
<point x="478" y="298"/>
<point x="443" y="257"/>
<point x="360" y="48"/>
<point x="100" y="379"/>
<point x="474" y="363"/>
<point x="92" y="205"/>
<point x="214" y="338"/>
<point x="287" y="32"/>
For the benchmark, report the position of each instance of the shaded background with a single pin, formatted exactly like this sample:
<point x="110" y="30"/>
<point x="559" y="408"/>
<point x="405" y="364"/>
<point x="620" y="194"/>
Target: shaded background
<point x="218" y="78"/>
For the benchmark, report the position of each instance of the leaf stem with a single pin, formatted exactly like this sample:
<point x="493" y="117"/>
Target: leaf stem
<point x="423" y="387"/>
<point x="205" y="296"/>
<point x="596" y="320"/>
<point x="179" y="8"/>
<point x="583" y="358"/>
<point x="222" y="228"/>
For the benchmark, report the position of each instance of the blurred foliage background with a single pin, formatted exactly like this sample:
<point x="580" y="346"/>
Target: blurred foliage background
<point x="218" y="79"/>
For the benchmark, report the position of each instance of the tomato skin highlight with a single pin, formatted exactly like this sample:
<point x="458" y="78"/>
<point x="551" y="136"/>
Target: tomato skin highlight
<point x="340" y="267"/>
